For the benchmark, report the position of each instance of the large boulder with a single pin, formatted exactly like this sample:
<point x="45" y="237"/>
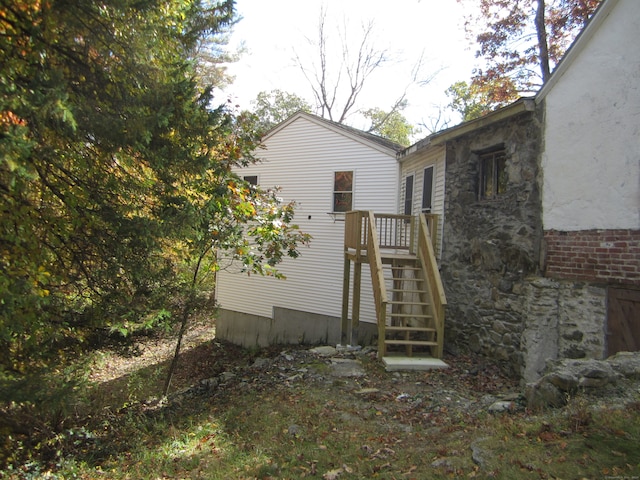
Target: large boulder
<point x="565" y="378"/>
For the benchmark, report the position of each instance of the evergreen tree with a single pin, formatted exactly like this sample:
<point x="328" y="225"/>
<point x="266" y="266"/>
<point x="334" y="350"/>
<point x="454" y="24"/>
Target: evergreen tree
<point x="115" y="171"/>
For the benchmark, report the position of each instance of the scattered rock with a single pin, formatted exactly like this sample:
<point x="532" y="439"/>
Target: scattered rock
<point x="348" y="348"/>
<point x="626" y="364"/>
<point x="502" y="406"/>
<point x="324" y="351"/>
<point x="226" y="376"/>
<point x="367" y="391"/>
<point x="344" y="367"/>
<point x="260" y="362"/>
<point x="287" y="357"/>
<point x="441" y="463"/>
<point x="478" y="454"/>
<point x="209" y="382"/>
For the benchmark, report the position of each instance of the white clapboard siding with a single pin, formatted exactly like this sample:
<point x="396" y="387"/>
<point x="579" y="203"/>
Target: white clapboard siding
<point x="301" y="157"/>
<point x="414" y="164"/>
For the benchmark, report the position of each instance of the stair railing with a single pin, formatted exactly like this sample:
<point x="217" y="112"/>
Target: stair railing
<point x="429" y="263"/>
<point x="377" y="280"/>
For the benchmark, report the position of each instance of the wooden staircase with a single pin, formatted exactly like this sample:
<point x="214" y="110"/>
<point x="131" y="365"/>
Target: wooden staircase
<point x="411" y="322"/>
<point x="408" y="294"/>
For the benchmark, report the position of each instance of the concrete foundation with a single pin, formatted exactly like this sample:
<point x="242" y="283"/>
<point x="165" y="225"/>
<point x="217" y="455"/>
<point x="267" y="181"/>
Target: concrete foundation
<point x="287" y="327"/>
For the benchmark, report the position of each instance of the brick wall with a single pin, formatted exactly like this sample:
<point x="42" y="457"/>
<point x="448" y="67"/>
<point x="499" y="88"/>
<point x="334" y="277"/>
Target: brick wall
<point x="612" y="256"/>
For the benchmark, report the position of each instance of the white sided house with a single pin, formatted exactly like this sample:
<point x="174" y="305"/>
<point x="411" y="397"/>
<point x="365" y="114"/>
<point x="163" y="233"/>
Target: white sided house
<point x="327" y="169"/>
<point x="591" y="182"/>
<point x="422" y="182"/>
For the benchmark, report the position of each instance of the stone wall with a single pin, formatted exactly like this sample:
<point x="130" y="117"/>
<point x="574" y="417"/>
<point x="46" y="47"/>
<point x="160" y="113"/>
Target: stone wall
<point x="562" y="320"/>
<point x="490" y="247"/>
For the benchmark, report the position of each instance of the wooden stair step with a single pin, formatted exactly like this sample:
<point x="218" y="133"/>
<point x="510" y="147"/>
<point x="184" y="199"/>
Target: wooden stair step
<point x="411" y="342"/>
<point x="397" y="257"/>
<point x="408" y="315"/>
<point x="417" y="304"/>
<point x="410" y="329"/>
<point x="407" y="279"/>
<point x="408" y="268"/>
<point x="413" y="290"/>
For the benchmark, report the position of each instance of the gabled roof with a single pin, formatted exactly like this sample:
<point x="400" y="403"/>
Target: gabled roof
<point x="382" y="144"/>
<point x="578" y="45"/>
<point x="438" y="138"/>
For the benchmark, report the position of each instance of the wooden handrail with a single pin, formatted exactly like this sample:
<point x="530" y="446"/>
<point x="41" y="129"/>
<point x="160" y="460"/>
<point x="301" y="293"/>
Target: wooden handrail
<point x="377" y="280"/>
<point x="434" y="282"/>
<point x="367" y="233"/>
<point x="432" y="223"/>
<point x="394" y="231"/>
<point x="353" y="230"/>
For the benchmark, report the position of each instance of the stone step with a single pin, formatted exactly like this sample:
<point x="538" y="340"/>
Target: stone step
<point x="402" y="363"/>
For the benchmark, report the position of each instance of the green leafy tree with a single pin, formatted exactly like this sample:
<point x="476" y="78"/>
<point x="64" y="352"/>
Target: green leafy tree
<point x="271" y="108"/>
<point x="116" y="172"/>
<point x="475" y="100"/>
<point x="521" y="42"/>
<point x="391" y="125"/>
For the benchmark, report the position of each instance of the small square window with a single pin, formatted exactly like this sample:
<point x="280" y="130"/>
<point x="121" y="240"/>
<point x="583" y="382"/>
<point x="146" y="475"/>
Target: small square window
<point x="343" y="191"/>
<point x="251" y="179"/>
<point x="493" y="174"/>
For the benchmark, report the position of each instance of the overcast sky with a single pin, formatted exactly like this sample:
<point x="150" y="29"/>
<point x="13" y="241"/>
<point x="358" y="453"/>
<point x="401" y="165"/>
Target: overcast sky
<point x="274" y="31"/>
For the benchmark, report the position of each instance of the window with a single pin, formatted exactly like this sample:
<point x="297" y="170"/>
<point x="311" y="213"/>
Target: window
<point x="493" y="174"/>
<point x="251" y="179"/>
<point x="427" y="190"/>
<point x="408" y="194"/>
<point x="343" y="191"/>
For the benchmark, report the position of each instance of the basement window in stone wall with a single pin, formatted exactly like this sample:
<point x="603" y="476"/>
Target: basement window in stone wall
<point x="493" y="174"/>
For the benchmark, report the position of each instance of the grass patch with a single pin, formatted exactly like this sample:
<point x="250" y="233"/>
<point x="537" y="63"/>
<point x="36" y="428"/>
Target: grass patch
<point x="292" y="419"/>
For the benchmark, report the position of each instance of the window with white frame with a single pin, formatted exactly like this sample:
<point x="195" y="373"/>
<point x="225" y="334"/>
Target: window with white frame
<point x="343" y="191"/>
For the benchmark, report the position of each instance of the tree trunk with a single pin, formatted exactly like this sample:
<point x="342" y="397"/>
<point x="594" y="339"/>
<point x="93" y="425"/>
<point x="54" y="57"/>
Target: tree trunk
<point x="543" y="48"/>
<point x="183" y="328"/>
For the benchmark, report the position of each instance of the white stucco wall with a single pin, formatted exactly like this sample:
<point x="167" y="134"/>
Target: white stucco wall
<point x="591" y="157"/>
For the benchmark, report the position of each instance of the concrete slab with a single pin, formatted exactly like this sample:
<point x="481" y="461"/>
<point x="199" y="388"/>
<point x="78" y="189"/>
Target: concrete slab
<point x="397" y="364"/>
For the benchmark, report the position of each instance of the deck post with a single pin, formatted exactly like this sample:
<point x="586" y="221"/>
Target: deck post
<point x="355" y="309"/>
<point x="345" y="337"/>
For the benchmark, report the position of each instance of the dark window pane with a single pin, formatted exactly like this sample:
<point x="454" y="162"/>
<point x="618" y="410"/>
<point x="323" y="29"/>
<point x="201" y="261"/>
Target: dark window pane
<point x="501" y="173"/>
<point x="408" y="195"/>
<point x="342" y="202"/>
<point x="493" y="174"/>
<point x="427" y="189"/>
<point x="251" y="179"/>
<point x="343" y="182"/>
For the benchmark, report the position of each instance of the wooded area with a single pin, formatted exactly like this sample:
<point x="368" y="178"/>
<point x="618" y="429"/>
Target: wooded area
<point x="116" y="187"/>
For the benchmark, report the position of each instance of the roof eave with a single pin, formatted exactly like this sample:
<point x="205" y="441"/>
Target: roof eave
<point x="519" y="106"/>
